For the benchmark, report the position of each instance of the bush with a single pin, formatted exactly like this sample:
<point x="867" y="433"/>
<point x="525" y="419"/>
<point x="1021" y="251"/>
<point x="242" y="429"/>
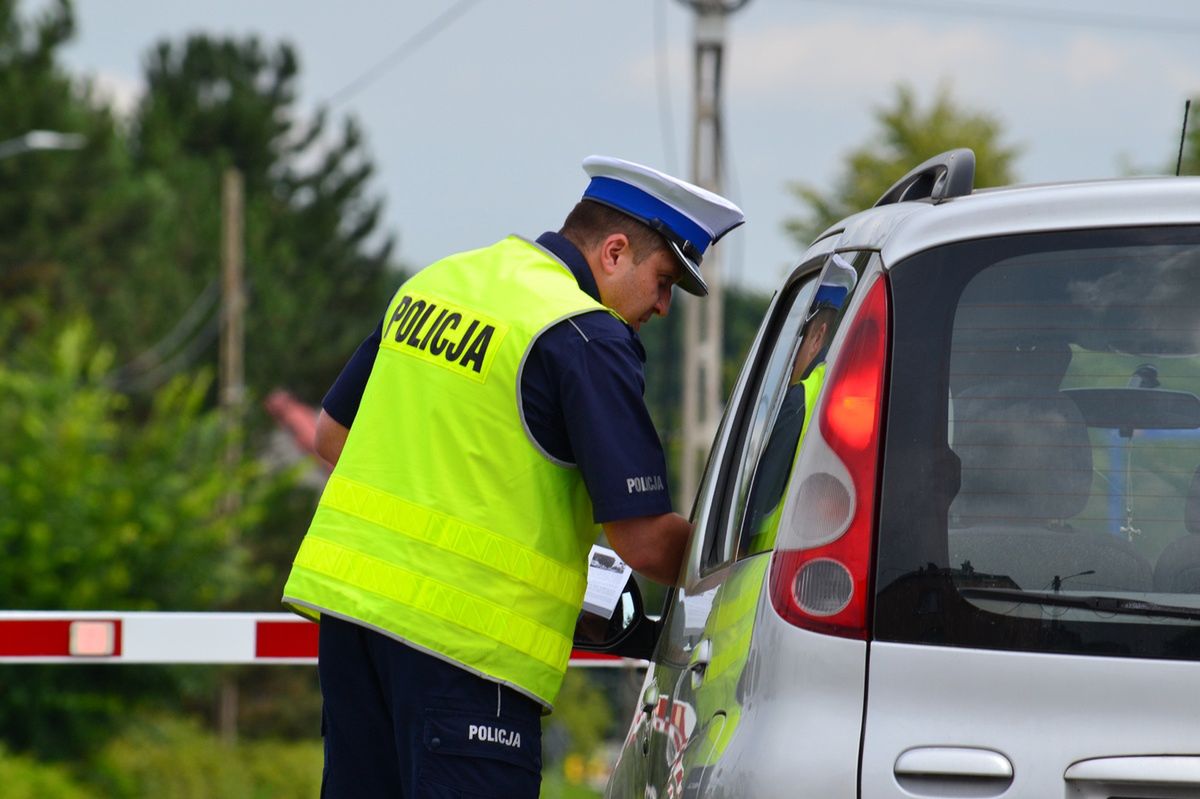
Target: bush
<point x="25" y="778"/>
<point x="175" y="757"/>
<point x="108" y="507"/>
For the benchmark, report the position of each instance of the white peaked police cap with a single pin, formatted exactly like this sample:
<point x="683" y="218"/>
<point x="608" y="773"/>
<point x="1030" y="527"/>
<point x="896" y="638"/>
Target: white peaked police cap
<point x="688" y="217"/>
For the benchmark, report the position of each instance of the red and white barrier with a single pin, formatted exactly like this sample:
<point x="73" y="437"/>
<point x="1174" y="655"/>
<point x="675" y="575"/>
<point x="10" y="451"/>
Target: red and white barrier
<point x="50" y="636"/>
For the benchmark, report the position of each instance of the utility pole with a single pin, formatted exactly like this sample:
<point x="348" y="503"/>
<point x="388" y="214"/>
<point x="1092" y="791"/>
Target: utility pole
<point x="703" y="318"/>
<point x="231" y="389"/>
<point x="233" y="307"/>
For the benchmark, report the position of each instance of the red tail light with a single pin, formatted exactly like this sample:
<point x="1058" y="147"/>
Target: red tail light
<point x="821" y="573"/>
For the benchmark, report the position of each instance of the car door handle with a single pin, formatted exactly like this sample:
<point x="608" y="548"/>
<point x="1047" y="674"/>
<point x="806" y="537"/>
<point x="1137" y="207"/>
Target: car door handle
<point x="1176" y="770"/>
<point x="930" y="770"/>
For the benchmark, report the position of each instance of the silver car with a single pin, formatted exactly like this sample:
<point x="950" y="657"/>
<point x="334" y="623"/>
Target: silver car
<point x="948" y="540"/>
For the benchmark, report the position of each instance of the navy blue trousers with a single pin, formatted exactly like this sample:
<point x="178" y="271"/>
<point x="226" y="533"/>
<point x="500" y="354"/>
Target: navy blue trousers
<point x="401" y="723"/>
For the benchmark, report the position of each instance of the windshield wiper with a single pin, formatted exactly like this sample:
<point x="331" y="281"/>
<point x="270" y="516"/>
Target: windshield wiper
<point x="1100" y="604"/>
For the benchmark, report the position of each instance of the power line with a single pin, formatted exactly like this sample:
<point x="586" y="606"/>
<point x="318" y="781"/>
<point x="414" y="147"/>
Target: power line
<point x="195" y="331"/>
<point x="185" y="358"/>
<point x="152" y="367"/>
<point x="1095" y="19"/>
<point x="407" y="48"/>
<point x="201" y="307"/>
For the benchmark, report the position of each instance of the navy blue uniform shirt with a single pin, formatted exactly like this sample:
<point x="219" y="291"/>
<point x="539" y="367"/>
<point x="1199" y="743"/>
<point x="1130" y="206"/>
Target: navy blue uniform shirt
<point x="582" y="391"/>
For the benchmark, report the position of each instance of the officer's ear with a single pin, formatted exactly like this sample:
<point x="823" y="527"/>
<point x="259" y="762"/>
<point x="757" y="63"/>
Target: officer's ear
<point x="614" y="246"/>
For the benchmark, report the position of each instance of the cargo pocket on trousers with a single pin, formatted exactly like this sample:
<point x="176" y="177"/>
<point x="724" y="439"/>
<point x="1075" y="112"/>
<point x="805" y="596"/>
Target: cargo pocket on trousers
<point x="479" y="756"/>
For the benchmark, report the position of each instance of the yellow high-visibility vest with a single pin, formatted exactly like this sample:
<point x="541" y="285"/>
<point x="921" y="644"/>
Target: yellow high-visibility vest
<point x="444" y="524"/>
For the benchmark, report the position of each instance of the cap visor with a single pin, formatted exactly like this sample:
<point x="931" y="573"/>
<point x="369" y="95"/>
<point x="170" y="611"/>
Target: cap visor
<point x="691" y="282"/>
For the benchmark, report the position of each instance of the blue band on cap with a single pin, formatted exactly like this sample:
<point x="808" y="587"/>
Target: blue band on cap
<point x="829" y="296"/>
<point x="644" y="207"/>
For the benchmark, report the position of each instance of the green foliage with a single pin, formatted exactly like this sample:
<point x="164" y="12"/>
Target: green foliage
<point x="555" y="786"/>
<point x="173" y="757"/>
<point x="103" y="510"/>
<point x="278" y="701"/>
<point x="312" y="249"/>
<point x="60" y="211"/>
<point x="25" y="778"/>
<point x="907" y="136"/>
<point x="111" y="469"/>
<point x="582" y="714"/>
<point x="128" y="229"/>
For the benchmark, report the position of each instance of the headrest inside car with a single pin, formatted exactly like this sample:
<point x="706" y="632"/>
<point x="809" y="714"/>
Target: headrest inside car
<point x="1026" y="456"/>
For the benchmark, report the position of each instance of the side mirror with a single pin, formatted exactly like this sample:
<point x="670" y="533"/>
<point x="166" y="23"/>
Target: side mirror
<point x="628" y="632"/>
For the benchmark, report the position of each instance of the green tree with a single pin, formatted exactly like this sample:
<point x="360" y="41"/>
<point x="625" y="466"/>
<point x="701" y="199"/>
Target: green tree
<point x="60" y="212"/>
<point x="84" y="486"/>
<point x="314" y="251"/>
<point x="105" y="510"/>
<point x="907" y="135"/>
<point x="127" y="230"/>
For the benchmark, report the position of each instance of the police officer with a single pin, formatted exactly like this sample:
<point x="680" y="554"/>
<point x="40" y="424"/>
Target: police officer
<point x="482" y="436"/>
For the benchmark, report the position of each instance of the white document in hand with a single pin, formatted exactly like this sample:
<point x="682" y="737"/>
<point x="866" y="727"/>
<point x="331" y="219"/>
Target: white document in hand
<point x="607" y="575"/>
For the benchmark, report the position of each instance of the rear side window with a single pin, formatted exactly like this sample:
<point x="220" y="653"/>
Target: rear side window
<point x="771" y="420"/>
<point x="1041" y="485"/>
<point x="760" y="406"/>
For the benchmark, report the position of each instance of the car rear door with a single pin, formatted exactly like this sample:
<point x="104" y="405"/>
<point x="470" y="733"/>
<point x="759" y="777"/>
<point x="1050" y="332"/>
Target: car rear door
<point x="689" y="705"/>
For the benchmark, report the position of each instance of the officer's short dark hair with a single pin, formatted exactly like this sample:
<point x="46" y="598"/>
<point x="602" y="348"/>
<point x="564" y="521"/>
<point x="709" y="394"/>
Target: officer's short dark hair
<point x="590" y="222"/>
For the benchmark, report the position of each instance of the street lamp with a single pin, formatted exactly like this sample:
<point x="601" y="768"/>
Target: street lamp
<point x="41" y="140"/>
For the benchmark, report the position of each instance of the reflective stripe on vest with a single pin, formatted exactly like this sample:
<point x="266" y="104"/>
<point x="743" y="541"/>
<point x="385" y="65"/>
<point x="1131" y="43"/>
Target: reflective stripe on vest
<point x="433" y="597"/>
<point x="443" y="524"/>
<point x="445" y="532"/>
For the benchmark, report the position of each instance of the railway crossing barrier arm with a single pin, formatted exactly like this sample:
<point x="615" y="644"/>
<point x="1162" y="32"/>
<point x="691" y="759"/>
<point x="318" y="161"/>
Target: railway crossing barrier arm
<point x="64" y="636"/>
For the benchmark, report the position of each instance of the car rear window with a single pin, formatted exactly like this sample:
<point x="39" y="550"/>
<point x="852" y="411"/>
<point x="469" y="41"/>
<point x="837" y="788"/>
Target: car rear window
<point x="1041" y="480"/>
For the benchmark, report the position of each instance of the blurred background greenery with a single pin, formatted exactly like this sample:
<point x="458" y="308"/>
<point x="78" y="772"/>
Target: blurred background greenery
<point x="114" y="457"/>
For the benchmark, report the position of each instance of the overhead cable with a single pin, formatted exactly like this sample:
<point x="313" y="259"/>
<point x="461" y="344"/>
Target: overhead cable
<point x="407" y="48"/>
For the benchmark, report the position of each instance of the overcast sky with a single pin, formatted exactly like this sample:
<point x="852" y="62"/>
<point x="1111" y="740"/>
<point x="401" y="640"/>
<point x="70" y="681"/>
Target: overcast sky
<point x="479" y="131"/>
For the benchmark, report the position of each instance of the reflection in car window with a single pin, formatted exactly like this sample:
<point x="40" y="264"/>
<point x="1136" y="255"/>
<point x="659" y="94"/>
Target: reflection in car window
<point x="805" y="365"/>
<point x="772" y="413"/>
<point x="761" y="402"/>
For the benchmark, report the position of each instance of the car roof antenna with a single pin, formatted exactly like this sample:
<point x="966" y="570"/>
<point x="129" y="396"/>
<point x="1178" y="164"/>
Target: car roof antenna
<point x="1183" y="136"/>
